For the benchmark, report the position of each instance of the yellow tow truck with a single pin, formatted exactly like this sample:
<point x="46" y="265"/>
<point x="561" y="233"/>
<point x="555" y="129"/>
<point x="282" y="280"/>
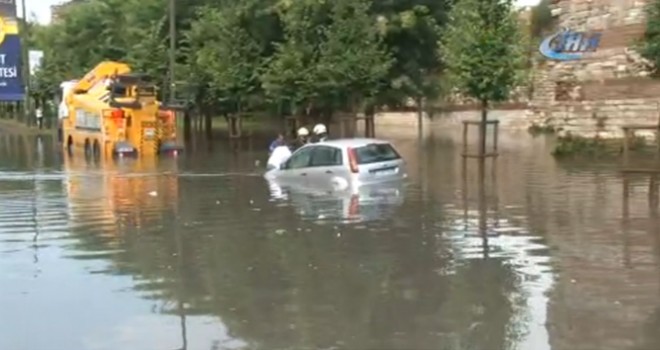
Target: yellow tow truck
<point x="114" y="112"/>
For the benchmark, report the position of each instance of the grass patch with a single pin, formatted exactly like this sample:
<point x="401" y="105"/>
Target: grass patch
<point x="536" y="129"/>
<point x="576" y="146"/>
<point x="251" y="125"/>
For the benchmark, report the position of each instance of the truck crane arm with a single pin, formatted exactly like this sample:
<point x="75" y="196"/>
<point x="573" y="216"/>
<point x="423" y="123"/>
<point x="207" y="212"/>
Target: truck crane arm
<point x="101" y="72"/>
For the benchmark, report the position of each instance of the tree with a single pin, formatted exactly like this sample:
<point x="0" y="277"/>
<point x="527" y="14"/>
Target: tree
<point x="649" y="47"/>
<point x="541" y="19"/>
<point x="353" y="60"/>
<point x="412" y="31"/>
<point x="227" y="54"/>
<point x="483" y="53"/>
<point x="332" y="57"/>
<point x="290" y="79"/>
<point x="309" y="56"/>
<point x="96" y="30"/>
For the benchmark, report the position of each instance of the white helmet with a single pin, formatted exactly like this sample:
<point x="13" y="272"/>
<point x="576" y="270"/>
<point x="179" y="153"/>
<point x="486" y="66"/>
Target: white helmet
<point x="320" y="129"/>
<point x="303" y="131"/>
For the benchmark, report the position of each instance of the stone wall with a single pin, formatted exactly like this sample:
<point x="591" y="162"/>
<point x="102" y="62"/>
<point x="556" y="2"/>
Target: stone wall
<point x="510" y="116"/>
<point x="592" y="96"/>
<point x="610" y="87"/>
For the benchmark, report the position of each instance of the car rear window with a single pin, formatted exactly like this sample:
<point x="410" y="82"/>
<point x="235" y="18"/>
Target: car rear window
<point x="375" y="153"/>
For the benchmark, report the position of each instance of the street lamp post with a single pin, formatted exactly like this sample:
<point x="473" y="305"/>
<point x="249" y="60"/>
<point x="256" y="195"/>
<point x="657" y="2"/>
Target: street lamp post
<point x="172" y="49"/>
<point x="26" y="66"/>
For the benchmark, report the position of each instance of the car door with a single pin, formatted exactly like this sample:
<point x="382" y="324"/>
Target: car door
<point x="294" y="170"/>
<point x="326" y="164"/>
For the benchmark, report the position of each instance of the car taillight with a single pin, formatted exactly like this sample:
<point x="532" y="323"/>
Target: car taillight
<point x="352" y="160"/>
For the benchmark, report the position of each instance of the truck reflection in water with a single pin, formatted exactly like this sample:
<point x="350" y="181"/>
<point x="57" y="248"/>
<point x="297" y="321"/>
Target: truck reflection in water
<point x="126" y="192"/>
<point x="353" y="205"/>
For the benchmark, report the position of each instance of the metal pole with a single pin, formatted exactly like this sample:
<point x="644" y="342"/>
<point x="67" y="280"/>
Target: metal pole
<point x="172" y="48"/>
<point x="26" y="66"/>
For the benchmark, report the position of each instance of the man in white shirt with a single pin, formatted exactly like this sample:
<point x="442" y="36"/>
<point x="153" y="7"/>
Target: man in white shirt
<point x="280" y="155"/>
<point x="63" y="110"/>
<point x="39" y="114"/>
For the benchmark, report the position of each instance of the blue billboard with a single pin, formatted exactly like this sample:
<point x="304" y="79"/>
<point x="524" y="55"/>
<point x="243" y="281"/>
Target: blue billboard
<point x="11" y="82"/>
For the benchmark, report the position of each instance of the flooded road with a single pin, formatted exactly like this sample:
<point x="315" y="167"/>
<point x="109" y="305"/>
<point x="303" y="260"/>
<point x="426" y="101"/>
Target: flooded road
<point x="201" y="253"/>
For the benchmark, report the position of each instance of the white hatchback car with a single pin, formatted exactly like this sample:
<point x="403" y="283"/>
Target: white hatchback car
<point x="338" y="164"/>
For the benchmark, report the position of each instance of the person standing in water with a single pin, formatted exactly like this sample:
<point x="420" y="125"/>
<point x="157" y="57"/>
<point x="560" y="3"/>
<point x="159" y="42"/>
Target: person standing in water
<point x="279" y="141"/>
<point x="278" y="156"/>
<point x="320" y="133"/>
<point x="302" y="139"/>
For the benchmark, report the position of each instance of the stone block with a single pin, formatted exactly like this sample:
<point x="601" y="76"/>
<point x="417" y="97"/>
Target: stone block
<point x="607" y="108"/>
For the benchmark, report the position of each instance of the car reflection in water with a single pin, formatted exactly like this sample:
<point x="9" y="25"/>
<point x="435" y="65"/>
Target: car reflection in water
<point x="355" y="204"/>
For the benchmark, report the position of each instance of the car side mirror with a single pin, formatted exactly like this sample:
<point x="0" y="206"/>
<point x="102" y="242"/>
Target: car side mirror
<point x="283" y="166"/>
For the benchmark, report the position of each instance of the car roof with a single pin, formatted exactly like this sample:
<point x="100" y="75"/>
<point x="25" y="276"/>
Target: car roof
<point x="349" y="142"/>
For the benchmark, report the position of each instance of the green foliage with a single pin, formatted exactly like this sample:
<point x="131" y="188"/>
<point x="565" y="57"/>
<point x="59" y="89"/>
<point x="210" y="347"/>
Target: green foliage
<point x="536" y="129"/>
<point x="412" y="32"/>
<point x="649" y="46"/>
<point x="291" y="77"/>
<point x="225" y="52"/>
<point x="307" y="56"/>
<point x="327" y="62"/>
<point x="541" y="19"/>
<point x="353" y="60"/>
<point x="97" y="30"/>
<point x="576" y="146"/>
<point x="482" y="48"/>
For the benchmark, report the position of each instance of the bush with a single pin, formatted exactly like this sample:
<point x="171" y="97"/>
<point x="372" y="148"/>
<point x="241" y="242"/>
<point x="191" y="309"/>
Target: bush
<point x="536" y="129"/>
<point x="572" y="146"/>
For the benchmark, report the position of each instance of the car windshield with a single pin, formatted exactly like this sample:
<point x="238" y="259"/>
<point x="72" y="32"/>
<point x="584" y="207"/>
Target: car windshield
<point x="375" y="153"/>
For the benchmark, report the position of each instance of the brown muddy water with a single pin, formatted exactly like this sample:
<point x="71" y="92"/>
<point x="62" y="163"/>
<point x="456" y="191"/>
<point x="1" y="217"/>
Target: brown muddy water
<point x="200" y="253"/>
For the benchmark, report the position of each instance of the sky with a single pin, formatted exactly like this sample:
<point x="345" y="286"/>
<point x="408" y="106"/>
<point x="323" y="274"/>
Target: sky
<point x="41" y="8"/>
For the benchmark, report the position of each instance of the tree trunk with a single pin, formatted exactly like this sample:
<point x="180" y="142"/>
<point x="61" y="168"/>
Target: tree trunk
<point x="482" y="128"/>
<point x="483" y="207"/>
<point x="187" y="127"/>
<point x="208" y="125"/>
<point x="420" y="115"/>
<point x="370" y="122"/>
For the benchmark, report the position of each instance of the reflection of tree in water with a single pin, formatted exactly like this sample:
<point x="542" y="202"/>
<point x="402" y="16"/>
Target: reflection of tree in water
<point x="301" y="289"/>
<point x="482" y="307"/>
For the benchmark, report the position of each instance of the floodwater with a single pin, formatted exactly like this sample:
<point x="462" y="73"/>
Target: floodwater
<point x="200" y="253"/>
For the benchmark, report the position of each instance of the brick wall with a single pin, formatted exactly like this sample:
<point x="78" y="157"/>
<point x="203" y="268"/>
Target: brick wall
<point x="620" y="36"/>
<point x="624" y="88"/>
<point x="605" y="89"/>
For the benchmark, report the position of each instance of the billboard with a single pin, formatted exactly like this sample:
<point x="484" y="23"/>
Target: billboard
<point x="11" y="83"/>
<point x="35" y="58"/>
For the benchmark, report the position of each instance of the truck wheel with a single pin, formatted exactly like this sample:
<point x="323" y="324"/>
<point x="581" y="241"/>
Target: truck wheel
<point x="88" y="149"/>
<point x="69" y="144"/>
<point x="96" y="150"/>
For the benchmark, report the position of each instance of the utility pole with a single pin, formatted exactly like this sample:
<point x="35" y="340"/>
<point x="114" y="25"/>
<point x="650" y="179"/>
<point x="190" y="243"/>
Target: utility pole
<point x="26" y="66"/>
<point x="172" y="49"/>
